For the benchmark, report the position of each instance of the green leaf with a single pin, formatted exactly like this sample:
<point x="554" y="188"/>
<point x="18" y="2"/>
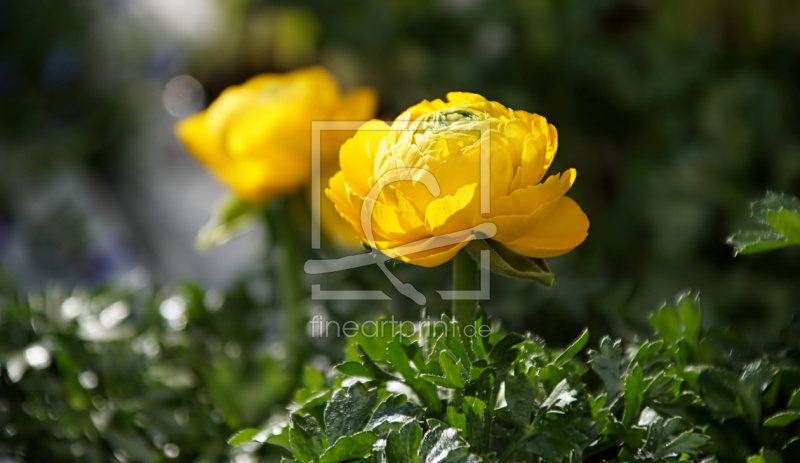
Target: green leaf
<point x="794" y="401"/>
<point x="452" y="370"/>
<point x="375" y="370"/>
<point x="305" y="436"/>
<point x="280" y="436"/>
<point x="504" y="261"/>
<point x="504" y="353"/>
<point x="606" y="363"/>
<point x="438" y="443"/>
<point x="348" y="410"/>
<point x="479" y="342"/>
<point x="573" y="348"/>
<point x="459" y="455"/>
<point x="689" y="443"/>
<point x="351" y="368"/>
<point x="760" y="209"/>
<point x="754" y="241"/>
<point x="561" y="396"/>
<point x="556" y="439"/>
<point x="371" y="338"/>
<point x="718" y="388"/>
<point x="231" y="217"/>
<point x="456" y="419"/>
<point x="454" y="340"/>
<point x="787" y="223"/>
<point x="474" y="412"/>
<point x="691" y="316"/>
<point x="782" y="214"/>
<point x="766" y="456"/>
<point x="782" y="419"/>
<point x="634" y="396"/>
<point x="349" y="448"/>
<point x="242" y="437"/>
<point x="521" y="399"/>
<point x="667" y="324"/>
<point x="402" y="445"/>
<point x="398" y="358"/>
<point x="395" y="411"/>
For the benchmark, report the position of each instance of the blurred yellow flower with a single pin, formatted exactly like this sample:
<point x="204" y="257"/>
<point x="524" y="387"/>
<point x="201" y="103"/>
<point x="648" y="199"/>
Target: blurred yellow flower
<point x="407" y="186"/>
<point x="256" y="137"/>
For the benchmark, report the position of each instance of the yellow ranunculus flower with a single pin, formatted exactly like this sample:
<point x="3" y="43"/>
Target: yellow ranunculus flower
<point x="256" y="137"/>
<point x="387" y="172"/>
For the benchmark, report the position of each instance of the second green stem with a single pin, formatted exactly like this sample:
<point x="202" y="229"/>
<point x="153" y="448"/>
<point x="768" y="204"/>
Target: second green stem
<point x="291" y="290"/>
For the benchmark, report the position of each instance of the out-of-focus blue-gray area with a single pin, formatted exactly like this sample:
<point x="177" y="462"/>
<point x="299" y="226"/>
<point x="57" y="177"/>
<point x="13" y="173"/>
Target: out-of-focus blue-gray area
<point x="95" y="186"/>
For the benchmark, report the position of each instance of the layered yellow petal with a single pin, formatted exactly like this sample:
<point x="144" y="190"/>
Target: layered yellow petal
<point x="347" y="204"/>
<point x="357" y="156"/>
<point x="528" y="200"/>
<point x="562" y="228"/>
<point x="453" y="213"/>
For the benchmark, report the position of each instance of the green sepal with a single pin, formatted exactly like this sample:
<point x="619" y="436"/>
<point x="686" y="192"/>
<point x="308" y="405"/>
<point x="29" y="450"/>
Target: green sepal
<point x="506" y="262"/>
<point x="232" y="216"/>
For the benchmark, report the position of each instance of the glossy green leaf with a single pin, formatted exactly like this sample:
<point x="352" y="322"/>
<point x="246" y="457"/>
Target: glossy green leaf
<point x="348" y="410"/>
<point x="521" y="399"/>
<point x="691" y="317"/>
<point x="787" y="223"/>
<point x="351" y="368"/>
<point x="349" y="448"/>
<point x="782" y="419"/>
<point x="242" y="437"/>
<point x="452" y="370"/>
<point x="402" y="446"/>
<point x="688" y="442"/>
<point x="438" y="443"/>
<point x="634" y="395"/>
<point x="766" y="456"/>
<point x="556" y="439"/>
<point x="305" y="437"/>
<point x="782" y="214"/>
<point x="398" y="358"/>
<point x="667" y="324"/>
<point x="561" y="396"/>
<point x="504" y="353"/>
<point x="794" y="401"/>
<point x="576" y="346"/>
<point x="392" y="412"/>
<point x="606" y="363"/>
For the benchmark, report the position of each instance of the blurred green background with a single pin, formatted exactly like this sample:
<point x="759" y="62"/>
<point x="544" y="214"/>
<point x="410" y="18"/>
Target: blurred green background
<point x="675" y="114"/>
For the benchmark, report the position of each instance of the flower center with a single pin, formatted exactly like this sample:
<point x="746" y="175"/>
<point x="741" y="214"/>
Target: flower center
<point x="449" y="118"/>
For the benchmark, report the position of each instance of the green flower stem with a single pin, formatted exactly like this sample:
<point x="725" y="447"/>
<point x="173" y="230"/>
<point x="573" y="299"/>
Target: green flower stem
<point x="291" y="290"/>
<point x="465" y="278"/>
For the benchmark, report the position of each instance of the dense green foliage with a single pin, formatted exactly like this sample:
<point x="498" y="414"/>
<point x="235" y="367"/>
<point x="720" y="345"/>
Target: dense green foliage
<point x="132" y="375"/>
<point x="689" y="393"/>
